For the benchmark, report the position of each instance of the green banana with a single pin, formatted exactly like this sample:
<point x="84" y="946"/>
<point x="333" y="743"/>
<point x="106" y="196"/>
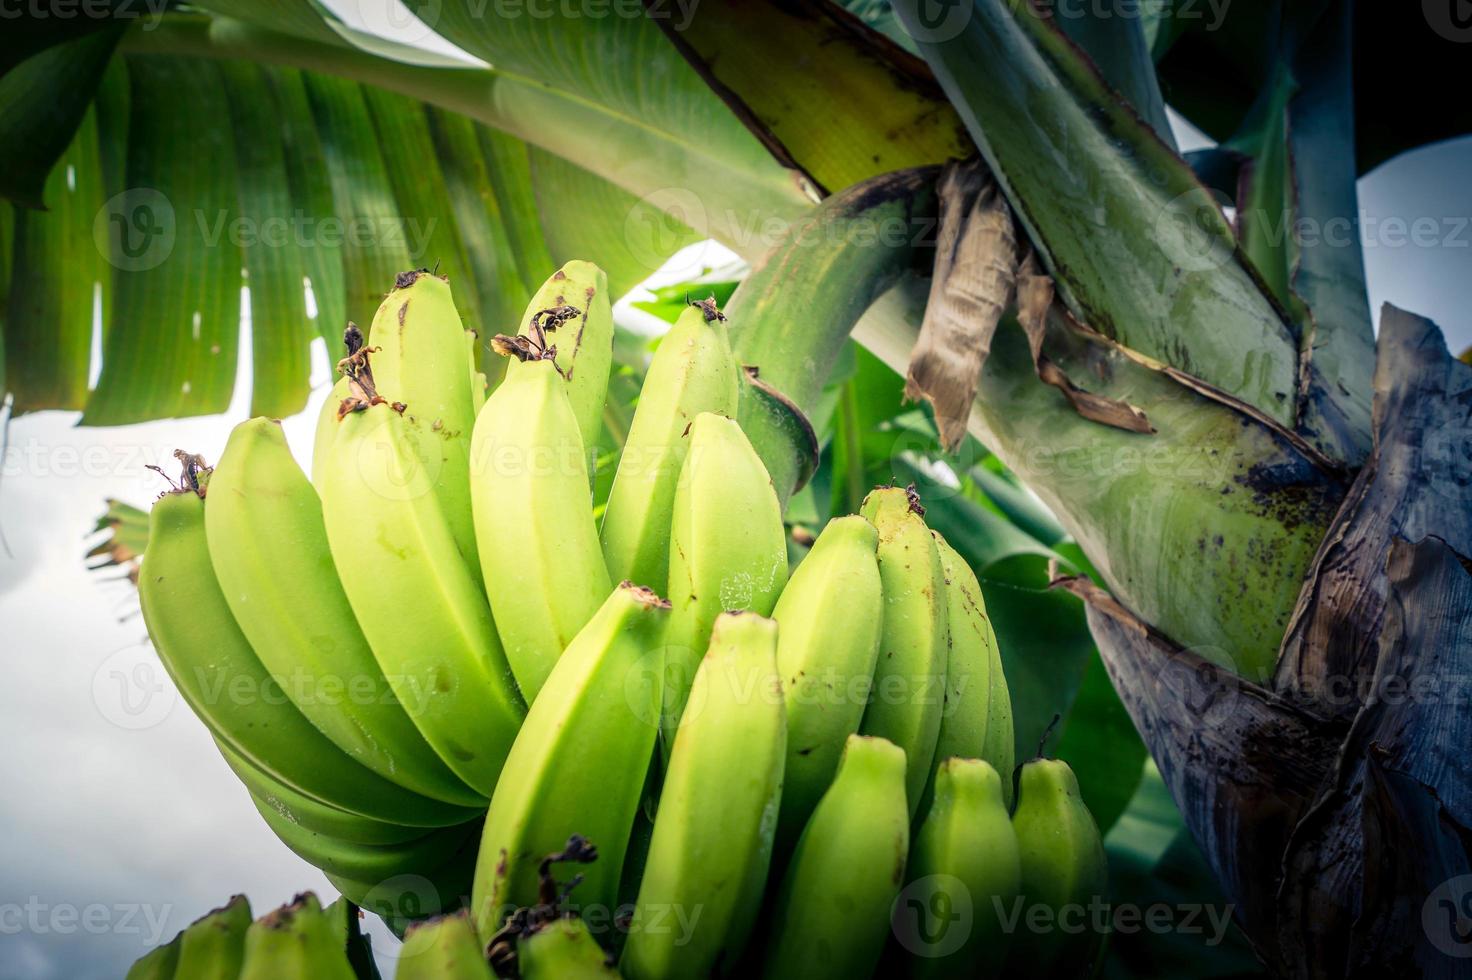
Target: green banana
<point x="214" y="946"/>
<point x="445" y="948"/>
<point x="419" y="606"/>
<point x="1063" y="870"/>
<point x="366" y="862"/>
<point x="964" y="871"/>
<point x="830" y="616"/>
<point x="832" y="913"/>
<point x="692" y="371"/>
<point x="295" y="942"/>
<point x="159" y="963"/>
<point x="579" y="763"/>
<point x="976" y="721"/>
<point x="268" y="545"/>
<point x="562" y="949"/>
<point x="310" y="814"/>
<point x="909" y="678"/>
<point x="345" y="918"/>
<point x="540" y="559"/>
<point x="573" y="312"/>
<point x="713" y="833"/>
<point x="728" y="549"/>
<point x="225" y="684"/>
<point x="419" y="361"/>
<point x="403" y="899"/>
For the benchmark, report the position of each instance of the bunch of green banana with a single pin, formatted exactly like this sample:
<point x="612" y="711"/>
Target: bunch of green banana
<point x="906" y="701"/>
<point x="444" y="948"/>
<point x="831" y="617"/>
<point x="295" y="942"/>
<point x="728" y="549"/>
<point x="1063" y="870"/>
<point x="562" y="949"/>
<point x="713" y="832"/>
<point x="832" y="913"/>
<point x="213" y="948"/>
<point x="578" y="766"/>
<point x="543" y="567"/>
<point x="693" y="371"/>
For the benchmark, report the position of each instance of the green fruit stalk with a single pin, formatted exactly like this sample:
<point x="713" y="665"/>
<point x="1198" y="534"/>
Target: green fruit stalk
<point x="268" y="545"/>
<point x="418" y="604"/>
<point x="572" y="312"/>
<point x="213" y="948"/>
<point x="692" y="371"/>
<point x="562" y="949"/>
<point x="964" y="878"/>
<point x="1063" y="869"/>
<point x="445" y="948"/>
<point x="831" y="617"/>
<point x="713" y="833"/>
<point x="728" y="549"/>
<point x="295" y="942"/>
<point x="976" y="720"/>
<point x="909" y="678"/>
<point x="541" y="561"/>
<point x="832" y="914"/>
<point x="228" y="688"/>
<point x="579" y="763"/>
<point x="419" y="362"/>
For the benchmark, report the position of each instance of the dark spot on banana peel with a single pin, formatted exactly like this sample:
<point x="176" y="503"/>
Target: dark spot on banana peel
<point x="406" y="279"/>
<point x="403" y="312"/>
<point x="559" y="275"/>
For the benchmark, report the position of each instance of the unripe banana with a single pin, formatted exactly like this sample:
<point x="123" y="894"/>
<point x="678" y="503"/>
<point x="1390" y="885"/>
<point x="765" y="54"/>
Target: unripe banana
<point x="214" y="946"/>
<point x="419" y="606"/>
<point x="445" y="948"/>
<point x="419" y="361"/>
<point x="541" y="562"/>
<point x="159" y="963"/>
<point x="225" y="684"/>
<point x="692" y="371"/>
<point x="832" y="914"/>
<point x="562" y="949"/>
<point x="579" y="763"/>
<point x="401" y="900"/>
<point x="310" y="814"/>
<point x="728" y="549"/>
<point x="295" y="942"/>
<point x="573" y="312"/>
<point x="713" y="833"/>
<point x="976" y="721"/>
<point x="268" y="545"/>
<point x="964" y="872"/>
<point x="909" y="678"/>
<point x="831" y="617"/>
<point x="1063" y="869"/>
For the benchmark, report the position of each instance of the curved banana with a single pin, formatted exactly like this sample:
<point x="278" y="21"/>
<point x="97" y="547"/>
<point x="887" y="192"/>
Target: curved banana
<point x="909" y="679"/>
<point x="976" y="721"/>
<point x="692" y="371"/>
<point x="295" y="942"/>
<point x="713" y="832"/>
<point x="964" y="865"/>
<point x="831" y="617"/>
<point x="445" y="948"/>
<point x="832" y="914"/>
<point x="419" y="361"/>
<point x="573" y="312"/>
<point x="403" y="899"/>
<point x="419" y="606"/>
<point x="1063" y="869"/>
<point x="214" y="946"/>
<point x="540" y="559"/>
<point x="366" y="862"/>
<point x="562" y="949"/>
<point x="227" y="687"/>
<point x="268" y="545"/>
<point x="728" y="549"/>
<point x="159" y="963"/>
<point x="578" y="766"/>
